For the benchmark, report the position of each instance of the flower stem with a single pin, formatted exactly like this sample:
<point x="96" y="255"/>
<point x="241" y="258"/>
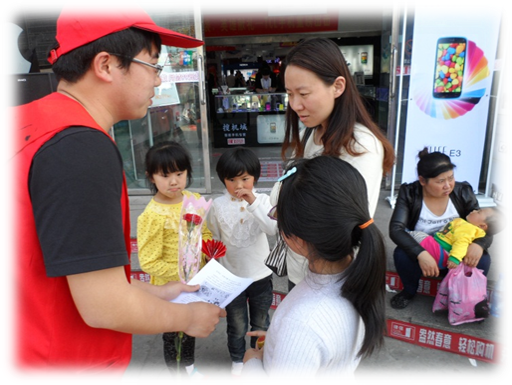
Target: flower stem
<point x="178" y="342"/>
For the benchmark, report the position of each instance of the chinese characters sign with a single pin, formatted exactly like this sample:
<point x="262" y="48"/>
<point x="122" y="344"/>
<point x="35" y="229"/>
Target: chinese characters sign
<point x="235" y="133"/>
<point x="465" y="345"/>
<point x="262" y="24"/>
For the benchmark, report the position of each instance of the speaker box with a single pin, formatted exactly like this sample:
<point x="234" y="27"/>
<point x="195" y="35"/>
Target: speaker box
<point x="22" y="89"/>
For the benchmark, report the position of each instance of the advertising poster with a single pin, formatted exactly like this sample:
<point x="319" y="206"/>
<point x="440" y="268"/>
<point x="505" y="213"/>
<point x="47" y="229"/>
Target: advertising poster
<point x="271" y="128"/>
<point x="450" y="86"/>
<point x="500" y="153"/>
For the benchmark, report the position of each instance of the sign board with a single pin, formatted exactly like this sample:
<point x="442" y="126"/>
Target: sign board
<point x="270" y="128"/>
<point x="288" y="9"/>
<point x="260" y="23"/>
<point x="458" y="343"/>
<point x="450" y="85"/>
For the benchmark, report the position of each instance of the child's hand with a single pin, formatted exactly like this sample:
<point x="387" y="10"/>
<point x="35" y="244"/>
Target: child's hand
<point x="246" y="195"/>
<point x="253" y="353"/>
<point x="451" y="265"/>
<point x="172" y="289"/>
<point x="257" y="333"/>
<point x="260" y="342"/>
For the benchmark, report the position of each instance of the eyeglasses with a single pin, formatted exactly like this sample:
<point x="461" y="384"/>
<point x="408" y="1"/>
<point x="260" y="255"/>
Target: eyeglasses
<point x="272" y="214"/>
<point x="157" y="67"/>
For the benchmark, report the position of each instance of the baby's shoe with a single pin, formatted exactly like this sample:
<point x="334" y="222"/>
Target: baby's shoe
<point x="236" y="371"/>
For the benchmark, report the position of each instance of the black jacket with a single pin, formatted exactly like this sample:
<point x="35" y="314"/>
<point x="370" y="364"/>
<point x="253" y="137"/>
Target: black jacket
<point x="407" y="211"/>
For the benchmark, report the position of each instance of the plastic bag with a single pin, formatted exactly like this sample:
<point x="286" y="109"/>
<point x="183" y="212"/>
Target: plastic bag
<point x="467" y="295"/>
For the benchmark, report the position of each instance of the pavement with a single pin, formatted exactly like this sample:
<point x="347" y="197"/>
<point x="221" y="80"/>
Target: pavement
<point x="396" y="360"/>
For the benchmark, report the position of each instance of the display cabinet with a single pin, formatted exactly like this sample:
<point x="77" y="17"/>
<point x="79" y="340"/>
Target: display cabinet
<point x="249" y="119"/>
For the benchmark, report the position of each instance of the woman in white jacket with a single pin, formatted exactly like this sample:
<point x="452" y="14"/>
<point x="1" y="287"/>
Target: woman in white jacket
<point x="323" y="96"/>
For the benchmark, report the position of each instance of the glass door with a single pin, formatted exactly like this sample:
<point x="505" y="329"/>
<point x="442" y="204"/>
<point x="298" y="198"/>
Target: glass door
<point x="178" y="111"/>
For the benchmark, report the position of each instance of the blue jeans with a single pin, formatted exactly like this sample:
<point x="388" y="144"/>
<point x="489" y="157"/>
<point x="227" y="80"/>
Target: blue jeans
<point x="254" y="303"/>
<point x="410" y="272"/>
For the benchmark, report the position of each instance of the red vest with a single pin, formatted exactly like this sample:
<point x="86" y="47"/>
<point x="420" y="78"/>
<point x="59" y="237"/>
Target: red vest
<point x="50" y="331"/>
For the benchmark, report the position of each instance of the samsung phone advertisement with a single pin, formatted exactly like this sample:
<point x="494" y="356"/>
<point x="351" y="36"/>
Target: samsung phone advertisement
<point x="450" y="86"/>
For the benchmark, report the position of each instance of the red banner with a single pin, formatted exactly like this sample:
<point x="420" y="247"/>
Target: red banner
<point x="262" y="24"/>
<point x="427" y="286"/>
<point x="465" y="345"/>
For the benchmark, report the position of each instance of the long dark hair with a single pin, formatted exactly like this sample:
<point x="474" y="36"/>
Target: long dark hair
<point x="324" y="58"/>
<point x="324" y="203"/>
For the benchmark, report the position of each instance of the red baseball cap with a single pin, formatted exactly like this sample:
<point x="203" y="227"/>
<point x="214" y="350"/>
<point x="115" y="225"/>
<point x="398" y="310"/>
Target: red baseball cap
<point x="76" y="28"/>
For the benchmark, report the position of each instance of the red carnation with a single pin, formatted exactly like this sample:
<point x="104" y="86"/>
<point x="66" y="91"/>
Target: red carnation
<point x="193" y="218"/>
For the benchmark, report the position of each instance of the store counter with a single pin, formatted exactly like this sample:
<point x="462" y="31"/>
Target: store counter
<point x="249" y="119"/>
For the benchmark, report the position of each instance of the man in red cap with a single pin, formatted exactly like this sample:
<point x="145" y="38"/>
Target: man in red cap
<point x="76" y="306"/>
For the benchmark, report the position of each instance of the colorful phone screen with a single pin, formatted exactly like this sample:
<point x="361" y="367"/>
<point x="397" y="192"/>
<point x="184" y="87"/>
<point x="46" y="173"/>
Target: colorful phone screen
<point x="449" y="69"/>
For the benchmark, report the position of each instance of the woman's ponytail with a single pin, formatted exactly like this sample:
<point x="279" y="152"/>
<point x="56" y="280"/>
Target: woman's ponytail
<point x="365" y="285"/>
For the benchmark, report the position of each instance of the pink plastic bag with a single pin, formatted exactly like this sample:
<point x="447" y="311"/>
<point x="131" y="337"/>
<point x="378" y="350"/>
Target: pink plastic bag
<point x="467" y="295"/>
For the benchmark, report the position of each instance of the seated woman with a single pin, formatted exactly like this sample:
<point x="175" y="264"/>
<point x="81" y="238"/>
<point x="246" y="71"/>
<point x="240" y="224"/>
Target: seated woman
<point x="427" y="205"/>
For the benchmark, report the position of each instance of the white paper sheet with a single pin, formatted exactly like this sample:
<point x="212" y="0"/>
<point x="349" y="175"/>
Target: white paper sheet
<point x="218" y="286"/>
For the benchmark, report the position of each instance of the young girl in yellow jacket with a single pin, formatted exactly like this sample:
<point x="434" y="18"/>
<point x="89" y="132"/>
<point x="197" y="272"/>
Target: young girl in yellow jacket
<point x="169" y="173"/>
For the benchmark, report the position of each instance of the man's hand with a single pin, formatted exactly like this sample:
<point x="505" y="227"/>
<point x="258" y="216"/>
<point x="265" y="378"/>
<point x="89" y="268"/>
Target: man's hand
<point x="204" y="319"/>
<point x="106" y="299"/>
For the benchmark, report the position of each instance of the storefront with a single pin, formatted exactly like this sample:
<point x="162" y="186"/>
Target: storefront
<point x="191" y="108"/>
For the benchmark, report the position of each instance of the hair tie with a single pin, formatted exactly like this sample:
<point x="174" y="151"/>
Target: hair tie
<point x="366" y="224"/>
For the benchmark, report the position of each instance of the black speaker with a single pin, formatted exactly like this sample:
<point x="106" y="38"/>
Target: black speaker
<point x="29" y="87"/>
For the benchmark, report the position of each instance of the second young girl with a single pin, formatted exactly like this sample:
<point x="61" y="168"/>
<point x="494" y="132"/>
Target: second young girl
<point x="169" y="173"/>
<point x="239" y="219"/>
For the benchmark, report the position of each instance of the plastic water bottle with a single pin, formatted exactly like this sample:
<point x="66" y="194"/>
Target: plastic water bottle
<point x="496" y="298"/>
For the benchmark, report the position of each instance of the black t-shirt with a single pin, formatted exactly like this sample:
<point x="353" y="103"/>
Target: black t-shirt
<point x="75" y="185"/>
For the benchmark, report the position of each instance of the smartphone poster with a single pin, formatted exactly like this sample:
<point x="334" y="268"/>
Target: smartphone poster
<point x="449" y="67"/>
<point x="450" y="88"/>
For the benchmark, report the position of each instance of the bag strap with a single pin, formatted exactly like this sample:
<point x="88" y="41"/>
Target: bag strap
<point x="306" y="136"/>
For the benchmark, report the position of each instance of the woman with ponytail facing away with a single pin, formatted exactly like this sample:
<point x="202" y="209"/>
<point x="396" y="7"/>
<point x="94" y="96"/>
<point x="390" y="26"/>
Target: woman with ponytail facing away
<point x="336" y="315"/>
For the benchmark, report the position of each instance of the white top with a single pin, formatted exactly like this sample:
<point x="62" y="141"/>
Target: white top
<point x="243" y="228"/>
<point x="313" y="332"/>
<point x="430" y="223"/>
<point x="230" y="81"/>
<point x="369" y="165"/>
<point x="265" y="83"/>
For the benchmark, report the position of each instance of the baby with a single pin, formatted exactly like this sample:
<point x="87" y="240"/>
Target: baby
<point x="449" y="246"/>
